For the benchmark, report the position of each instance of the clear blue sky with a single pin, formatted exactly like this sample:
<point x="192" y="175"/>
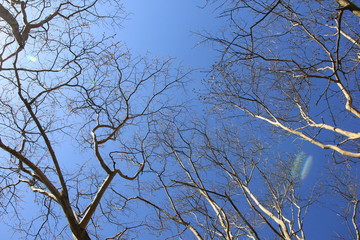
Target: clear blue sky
<point x="163" y="28"/>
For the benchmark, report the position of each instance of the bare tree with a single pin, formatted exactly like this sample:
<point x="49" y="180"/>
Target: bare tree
<point x="61" y="84"/>
<point x="294" y="65"/>
<point x="218" y="186"/>
<point x="62" y="87"/>
<point x="345" y="185"/>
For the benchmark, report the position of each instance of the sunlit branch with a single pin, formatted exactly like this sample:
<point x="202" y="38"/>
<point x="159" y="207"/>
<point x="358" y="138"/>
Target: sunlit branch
<point x="349" y="5"/>
<point x="42" y="177"/>
<point x="354" y="218"/>
<point x="94" y="204"/>
<point x="303" y="135"/>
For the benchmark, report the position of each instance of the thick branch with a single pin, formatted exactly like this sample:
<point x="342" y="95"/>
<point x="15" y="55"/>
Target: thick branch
<point x="41" y="176"/>
<point x="353" y="219"/>
<point x="44" y="136"/>
<point x="268" y="213"/>
<point x="94" y="204"/>
<point x="302" y="135"/>
<point x="349" y="5"/>
<point x="10" y="19"/>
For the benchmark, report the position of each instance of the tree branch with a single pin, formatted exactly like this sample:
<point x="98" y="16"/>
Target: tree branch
<point x="94" y="204"/>
<point x="349" y="5"/>
<point x="10" y="19"/>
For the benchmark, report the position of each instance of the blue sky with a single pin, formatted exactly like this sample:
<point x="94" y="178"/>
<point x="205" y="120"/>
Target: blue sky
<point x="164" y="28"/>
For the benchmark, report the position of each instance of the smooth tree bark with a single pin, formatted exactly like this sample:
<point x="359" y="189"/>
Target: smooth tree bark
<point x="349" y="5"/>
<point x="216" y="185"/>
<point x="293" y="65"/>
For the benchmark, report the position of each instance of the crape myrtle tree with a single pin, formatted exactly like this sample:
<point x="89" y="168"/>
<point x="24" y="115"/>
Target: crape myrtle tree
<point x="65" y="90"/>
<point x="222" y="184"/>
<point x="224" y="187"/>
<point x="294" y="65"/>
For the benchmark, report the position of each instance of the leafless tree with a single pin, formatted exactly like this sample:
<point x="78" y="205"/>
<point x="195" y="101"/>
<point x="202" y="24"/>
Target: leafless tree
<point x="345" y="185"/>
<point x="62" y="88"/>
<point x="294" y="65"/>
<point x="218" y="186"/>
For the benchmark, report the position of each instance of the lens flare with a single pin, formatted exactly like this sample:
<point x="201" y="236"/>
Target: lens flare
<point x="297" y="165"/>
<point x="306" y="168"/>
<point x="31" y="58"/>
<point x="300" y="169"/>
